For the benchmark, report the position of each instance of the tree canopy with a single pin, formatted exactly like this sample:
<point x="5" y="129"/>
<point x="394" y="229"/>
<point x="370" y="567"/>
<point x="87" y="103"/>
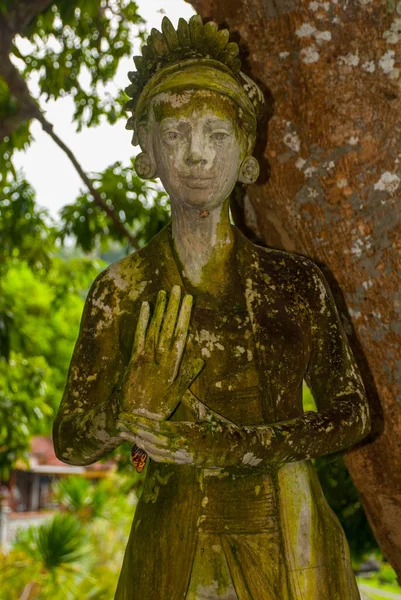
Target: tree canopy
<point x="69" y="49"/>
<point x="75" y="49"/>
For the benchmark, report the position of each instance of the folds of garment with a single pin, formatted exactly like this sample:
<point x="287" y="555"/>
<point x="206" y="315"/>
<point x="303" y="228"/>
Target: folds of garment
<point x="316" y="550"/>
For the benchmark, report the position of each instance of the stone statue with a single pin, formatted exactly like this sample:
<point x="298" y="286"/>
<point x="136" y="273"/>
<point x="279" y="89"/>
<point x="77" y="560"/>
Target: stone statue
<point x="195" y="348"/>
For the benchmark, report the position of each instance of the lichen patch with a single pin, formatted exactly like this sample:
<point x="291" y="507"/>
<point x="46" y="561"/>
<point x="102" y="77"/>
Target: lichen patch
<point x="292" y="141"/>
<point x="306" y="30"/>
<point x="393" y="35"/>
<point x="388" y="182"/>
<point x="250" y="459"/>
<point x="387" y="61"/>
<point x="349" y="60"/>
<point x="369" y="66"/>
<point x="309" y="55"/>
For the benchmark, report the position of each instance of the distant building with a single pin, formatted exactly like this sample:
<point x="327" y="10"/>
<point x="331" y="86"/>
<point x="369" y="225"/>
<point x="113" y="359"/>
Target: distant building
<point x="27" y="499"/>
<point x="30" y="485"/>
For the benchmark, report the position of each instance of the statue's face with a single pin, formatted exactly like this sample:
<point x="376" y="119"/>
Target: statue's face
<point x="197" y="150"/>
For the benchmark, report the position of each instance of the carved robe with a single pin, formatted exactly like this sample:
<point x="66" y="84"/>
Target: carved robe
<point x="270" y="524"/>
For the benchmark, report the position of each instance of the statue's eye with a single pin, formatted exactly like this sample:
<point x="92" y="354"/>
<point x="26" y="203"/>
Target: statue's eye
<point x="220" y="135"/>
<point x="171" y="136"/>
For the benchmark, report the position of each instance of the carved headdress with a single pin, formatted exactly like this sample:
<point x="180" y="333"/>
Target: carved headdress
<point x="195" y="56"/>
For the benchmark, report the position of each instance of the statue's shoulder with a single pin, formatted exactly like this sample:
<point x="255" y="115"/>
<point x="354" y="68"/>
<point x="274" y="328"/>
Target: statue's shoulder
<point x="279" y="261"/>
<point x="285" y="272"/>
<point x="129" y="275"/>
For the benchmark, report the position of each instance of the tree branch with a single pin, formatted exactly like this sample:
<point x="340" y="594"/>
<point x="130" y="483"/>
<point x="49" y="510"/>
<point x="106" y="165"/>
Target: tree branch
<point x="28" y="106"/>
<point x="48" y="127"/>
<point x="17" y="18"/>
<point x="9" y="124"/>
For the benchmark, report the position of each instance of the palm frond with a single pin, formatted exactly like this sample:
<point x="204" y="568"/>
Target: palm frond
<point x="57" y="543"/>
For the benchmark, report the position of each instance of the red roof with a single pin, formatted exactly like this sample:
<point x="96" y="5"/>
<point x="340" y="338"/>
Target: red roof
<point x="42" y="453"/>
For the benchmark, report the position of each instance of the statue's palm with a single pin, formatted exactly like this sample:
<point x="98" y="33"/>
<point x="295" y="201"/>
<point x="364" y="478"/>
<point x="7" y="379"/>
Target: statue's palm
<point x="156" y="380"/>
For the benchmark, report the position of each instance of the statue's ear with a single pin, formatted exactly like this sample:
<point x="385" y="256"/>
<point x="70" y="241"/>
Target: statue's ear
<point x="145" y="166"/>
<point x="249" y="170"/>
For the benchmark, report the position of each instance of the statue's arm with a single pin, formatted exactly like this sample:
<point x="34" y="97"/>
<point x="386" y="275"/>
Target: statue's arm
<point x="343" y="417"/>
<point x="85" y="426"/>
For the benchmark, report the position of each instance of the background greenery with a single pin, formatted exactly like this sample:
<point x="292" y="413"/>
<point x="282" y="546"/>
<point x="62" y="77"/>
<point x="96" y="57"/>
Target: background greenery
<point x="46" y="268"/>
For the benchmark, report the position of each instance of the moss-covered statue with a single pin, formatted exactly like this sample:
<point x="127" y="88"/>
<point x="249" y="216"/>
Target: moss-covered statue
<point x="195" y="348"/>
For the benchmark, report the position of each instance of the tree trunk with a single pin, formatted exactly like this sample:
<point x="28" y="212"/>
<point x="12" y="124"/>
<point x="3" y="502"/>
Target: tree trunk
<point x="330" y="189"/>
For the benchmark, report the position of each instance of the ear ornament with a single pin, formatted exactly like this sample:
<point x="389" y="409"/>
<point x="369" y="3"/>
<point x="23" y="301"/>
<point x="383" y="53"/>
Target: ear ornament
<point x="249" y="170"/>
<point x="145" y="167"/>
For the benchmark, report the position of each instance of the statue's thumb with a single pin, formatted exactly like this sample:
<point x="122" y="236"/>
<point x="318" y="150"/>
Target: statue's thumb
<point x="189" y="371"/>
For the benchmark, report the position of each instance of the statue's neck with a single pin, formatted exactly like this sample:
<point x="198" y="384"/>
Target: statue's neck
<point x="204" y="245"/>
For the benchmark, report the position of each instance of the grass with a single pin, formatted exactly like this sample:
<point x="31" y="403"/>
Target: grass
<point x="385" y="580"/>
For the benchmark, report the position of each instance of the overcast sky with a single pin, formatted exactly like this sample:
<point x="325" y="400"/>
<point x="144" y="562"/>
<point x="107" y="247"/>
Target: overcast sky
<point x="47" y="168"/>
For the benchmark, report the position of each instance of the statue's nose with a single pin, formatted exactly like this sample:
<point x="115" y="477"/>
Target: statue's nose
<point x="194" y="158"/>
<point x="196" y="152"/>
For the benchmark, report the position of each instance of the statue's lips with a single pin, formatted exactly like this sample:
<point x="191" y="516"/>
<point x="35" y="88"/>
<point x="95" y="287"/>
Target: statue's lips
<point x="197" y="182"/>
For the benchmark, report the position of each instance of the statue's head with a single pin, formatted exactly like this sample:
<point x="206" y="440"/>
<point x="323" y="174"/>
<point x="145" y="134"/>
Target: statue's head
<point x="194" y="113"/>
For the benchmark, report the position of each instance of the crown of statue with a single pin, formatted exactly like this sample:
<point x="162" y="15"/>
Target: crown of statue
<point x="191" y="40"/>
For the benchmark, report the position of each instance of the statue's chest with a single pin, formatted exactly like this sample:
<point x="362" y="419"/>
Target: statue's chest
<point x="229" y="382"/>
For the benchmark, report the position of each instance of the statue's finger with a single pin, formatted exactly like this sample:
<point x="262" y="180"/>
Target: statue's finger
<point x="170" y="437"/>
<point x="127" y="420"/>
<point x="178" y="457"/>
<point x="145" y="446"/>
<point x="140" y="331"/>
<point x="182" y="457"/>
<point x="157" y="452"/>
<point x="127" y="436"/>
<point x="153" y="331"/>
<point x="170" y="460"/>
<point x="170" y="319"/>
<point x="144" y="437"/>
<point x="174" y="431"/>
<point x="181" y="330"/>
<point x="150" y="437"/>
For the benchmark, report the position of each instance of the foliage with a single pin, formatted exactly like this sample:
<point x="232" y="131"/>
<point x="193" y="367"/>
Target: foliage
<point x="56" y="544"/>
<point x="42" y="292"/>
<point x="25" y="232"/>
<point x="387" y="575"/>
<point x="71" y="48"/>
<point x="87" y="553"/>
<point x="140" y="206"/>
<point x="78" y="495"/>
<point x="307" y="399"/>
<point x="21" y="380"/>
<point x="385" y="580"/>
<point x="41" y="301"/>
<point x="75" y="49"/>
